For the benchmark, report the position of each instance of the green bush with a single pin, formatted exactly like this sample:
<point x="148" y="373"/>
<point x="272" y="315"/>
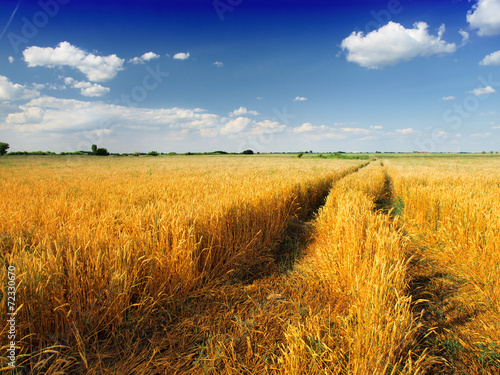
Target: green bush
<point x="3" y="148"/>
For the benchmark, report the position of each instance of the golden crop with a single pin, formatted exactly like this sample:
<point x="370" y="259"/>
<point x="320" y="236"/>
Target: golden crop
<point x="225" y="265"/>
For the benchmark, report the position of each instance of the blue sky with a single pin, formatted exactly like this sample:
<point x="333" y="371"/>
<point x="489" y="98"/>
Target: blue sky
<point x="292" y="75"/>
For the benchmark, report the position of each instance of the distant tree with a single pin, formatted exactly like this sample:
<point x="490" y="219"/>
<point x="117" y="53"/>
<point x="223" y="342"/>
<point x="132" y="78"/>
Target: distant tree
<point x="248" y="152"/>
<point x="300" y="154"/>
<point x="101" y="152"/>
<point x="153" y="153"/>
<point x="3" y="148"/>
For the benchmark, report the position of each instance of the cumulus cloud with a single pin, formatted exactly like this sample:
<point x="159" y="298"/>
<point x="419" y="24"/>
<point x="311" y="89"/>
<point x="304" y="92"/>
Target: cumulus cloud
<point x="405" y="131"/>
<point x="242" y="111"/>
<point x="235" y="126"/>
<point x="181" y="56"/>
<point x="11" y="59"/>
<point x="219" y="64"/>
<point x="91" y="89"/>
<point x="393" y="43"/>
<point x="14" y="91"/>
<point x="485" y="16"/>
<point x="96" y="68"/>
<point x="299" y="99"/>
<point x="267" y="127"/>
<point x="447" y="98"/>
<point x="491" y="59"/>
<point x="87" y="88"/>
<point x="376" y="127"/>
<point x="482" y="91"/>
<point x="305" y="127"/>
<point x="148" y="56"/>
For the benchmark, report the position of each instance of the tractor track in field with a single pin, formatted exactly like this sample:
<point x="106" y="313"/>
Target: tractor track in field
<point x="437" y="308"/>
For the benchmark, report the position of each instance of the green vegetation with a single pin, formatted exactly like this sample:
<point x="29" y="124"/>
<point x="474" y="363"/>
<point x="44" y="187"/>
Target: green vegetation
<point x="3" y="148"/>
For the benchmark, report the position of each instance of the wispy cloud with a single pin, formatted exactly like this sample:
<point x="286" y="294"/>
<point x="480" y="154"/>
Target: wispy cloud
<point x="299" y="99"/>
<point x="406" y="131"/>
<point x="9" y="21"/>
<point x="15" y="91"/>
<point x="219" y="64"/>
<point x="482" y="91"/>
<point x="448" y="98"/>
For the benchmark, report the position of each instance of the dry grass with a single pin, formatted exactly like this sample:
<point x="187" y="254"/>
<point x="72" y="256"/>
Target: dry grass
<point x="103" y="247"/>
<point x="452" y="214"/>
<point x="214" y="265"/>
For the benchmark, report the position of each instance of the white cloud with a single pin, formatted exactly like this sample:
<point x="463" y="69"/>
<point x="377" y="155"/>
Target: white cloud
<point x="242" y="111"/>
<point x="259" y="98"/>
<point x="14" y="91"/>
<point x="87" y="88"/>
<point x="181" y="56"/>
<point x="480" y="135"/>
<point x="235" y="126"/>
<point x="491" y="59"/>
<point x="376" y="127"/>
<point x="393" y="43"/>
<point x="355" y="130"/>
<point x="136" y="60"/>
<point x="148" y="56"/>
<point x="11" y="59"/>
<point x="299" y="99"/>
<point x="267" y="127"/>
<point x="405" y="131"/>
<point x="305" y="127"/>
<point x="495" y="127"/>
<point x="218" y="64"/>
<point x="447" y="98"/>
<point x="91" y="89"/>
<point x="465" y="36"/>
<point x="482" y="91"/>
<point x="485" y="16"/>
<point x="54" y="114"/>
<point x="96" y="68"/>
<point x="38" y="86"/>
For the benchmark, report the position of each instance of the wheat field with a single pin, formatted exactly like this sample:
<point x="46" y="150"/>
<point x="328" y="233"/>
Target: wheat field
<point x="260" y="264"/>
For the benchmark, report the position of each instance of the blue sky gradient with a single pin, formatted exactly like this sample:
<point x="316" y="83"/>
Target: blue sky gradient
<point x="235" y="74"/>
